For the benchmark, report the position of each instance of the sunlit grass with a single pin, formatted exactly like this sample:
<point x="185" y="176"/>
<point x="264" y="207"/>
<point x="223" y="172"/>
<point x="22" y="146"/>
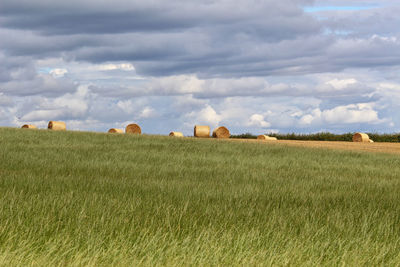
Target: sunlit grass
<point x="100" y="199"/>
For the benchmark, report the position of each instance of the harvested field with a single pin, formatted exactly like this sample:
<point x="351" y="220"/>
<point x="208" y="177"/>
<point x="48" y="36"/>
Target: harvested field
<point x="368" y="147"/>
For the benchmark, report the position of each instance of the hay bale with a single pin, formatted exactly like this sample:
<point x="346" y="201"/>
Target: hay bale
<point x="57" y="126"/>
<point x="176" y="134"/>
<point x="221" y="132"/>
<point x="361" y="137"/>
<point x="371" y="141"/>
<point x="266" y="137"/>
<point x="114" y="130"/>
<point x="28" y="126"/>
<point x="201" y="131"/>
<point x="133" y="129"/>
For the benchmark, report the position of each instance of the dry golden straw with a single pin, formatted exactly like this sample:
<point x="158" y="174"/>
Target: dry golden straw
<point x="221" y="132"/>
<point x="266" y="137"/>
<point x="176" y="134"/>
<point x="361" y="137"/>
<point x="201" y="131"/>
<point x="28" y="126"/>
<point x="133" y="129"/>
<point x="114" y="130"/>
<point x="57" y="126"/>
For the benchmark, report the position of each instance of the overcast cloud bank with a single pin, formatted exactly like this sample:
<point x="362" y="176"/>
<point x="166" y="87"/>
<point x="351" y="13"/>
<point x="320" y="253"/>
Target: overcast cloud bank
<point x="249" y="65"/>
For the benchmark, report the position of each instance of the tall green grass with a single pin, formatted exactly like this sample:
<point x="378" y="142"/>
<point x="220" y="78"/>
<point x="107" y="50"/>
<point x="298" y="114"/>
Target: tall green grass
<point x="325" y="136"/>
<point x="69" y="198"/>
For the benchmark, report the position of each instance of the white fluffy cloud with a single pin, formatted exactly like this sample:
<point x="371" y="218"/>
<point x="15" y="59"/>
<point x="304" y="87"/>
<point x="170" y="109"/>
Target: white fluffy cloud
<point x="207" y="116"/>
<point x="121" y="66"/>
<point x="57" y="73"/>
<point x="349" y="114"/>
<point x="341" y="84"/>
<point x="355" y="113"/>
<point x="66" y="106"/>
<point x="258" y="120"/>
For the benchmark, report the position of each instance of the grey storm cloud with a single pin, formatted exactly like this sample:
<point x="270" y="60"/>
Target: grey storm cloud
<point x="160" y="38"/>
<point x="19" y="77"/>
<point x="73" y="17"/>
<point x="355" y="3"/>
<point x="376" y="19"/>
<point x="207" y="38"/>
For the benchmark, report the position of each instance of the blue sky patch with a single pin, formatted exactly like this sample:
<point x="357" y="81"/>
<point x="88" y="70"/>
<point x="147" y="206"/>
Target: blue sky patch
<point x="336" y="8"/>
<point x="44" y="70"/>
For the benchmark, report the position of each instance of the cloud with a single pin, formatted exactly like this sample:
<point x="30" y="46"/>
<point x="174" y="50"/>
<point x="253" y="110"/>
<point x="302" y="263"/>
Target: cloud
<point x="258" y="121"/>
<point x="349" y="114"/>
<point x="356" y="113"/>
<point x="341" y="84"/>
<point x="253" y="39"/>
<point x="58" y="73"/>
<point x="131" y="16"/>
<point x="122" y="66"/>
<point x="67" y="106"/>
<point x="19" y="77"/>
<point x="138" y="109"/>
<point x="147" y="112"/>
<point x="365" y="19"/>
<point x="206" y="116"/>
<point x="41" y="84"/>
<point x="39" y="115"/>
<point x="5" y="100"/>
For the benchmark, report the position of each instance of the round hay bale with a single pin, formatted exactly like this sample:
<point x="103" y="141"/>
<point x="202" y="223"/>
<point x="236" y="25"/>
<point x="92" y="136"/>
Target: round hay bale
<point x="57" y="126"/>
<point x="114" y="130"/>
<point x="201" y="131"/>
<point x="28" y="126"/>
<point x="361" y="137"/>
<point x="176" y="134"/>
<point x="266" y="137"/>
<point x="221" y="132"/>
<point x="371" y="141"/>
<point x="133" y="129"/>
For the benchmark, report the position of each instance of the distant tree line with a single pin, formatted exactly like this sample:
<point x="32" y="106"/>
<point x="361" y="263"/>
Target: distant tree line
<point x="324" y="136"/>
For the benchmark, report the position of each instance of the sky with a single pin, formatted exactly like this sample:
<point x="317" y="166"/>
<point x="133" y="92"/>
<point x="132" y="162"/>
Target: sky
<point x="254" y="66"/>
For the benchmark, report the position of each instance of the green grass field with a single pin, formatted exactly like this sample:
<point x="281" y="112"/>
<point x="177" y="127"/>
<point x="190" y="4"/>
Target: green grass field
<point x="72" y="198"/>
